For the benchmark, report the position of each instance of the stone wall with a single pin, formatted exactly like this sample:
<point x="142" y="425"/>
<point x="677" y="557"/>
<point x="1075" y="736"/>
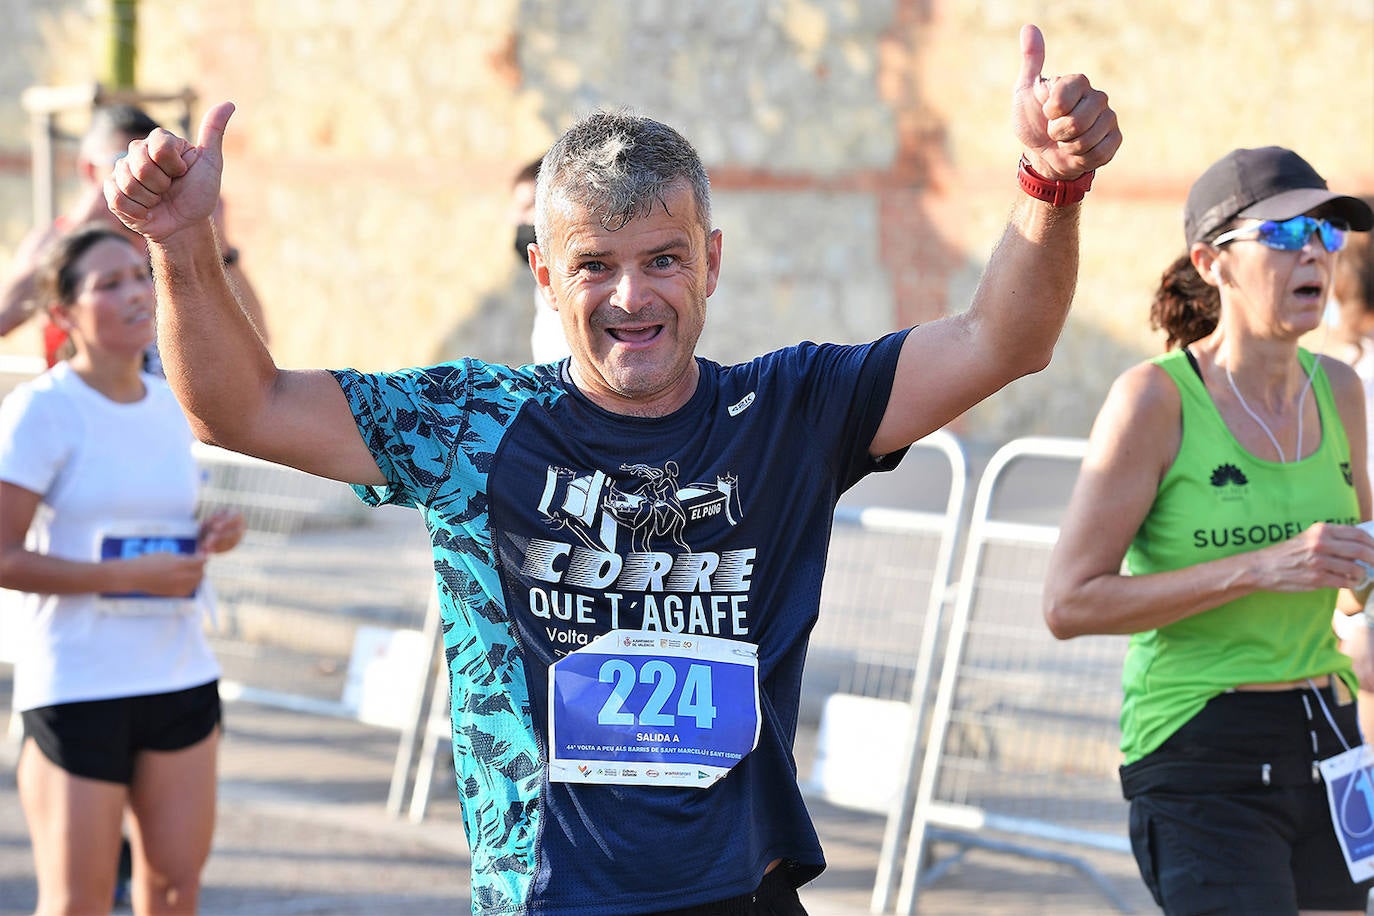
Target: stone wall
<point x="860" y="153"/>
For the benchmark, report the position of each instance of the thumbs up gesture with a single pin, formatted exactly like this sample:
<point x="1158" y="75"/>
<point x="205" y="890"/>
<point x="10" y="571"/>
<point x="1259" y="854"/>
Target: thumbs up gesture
<point x="165" y="183"/>
<point x="1065" y="125"/>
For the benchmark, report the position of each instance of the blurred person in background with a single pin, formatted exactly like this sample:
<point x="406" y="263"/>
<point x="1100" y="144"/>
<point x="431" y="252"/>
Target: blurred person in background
<point x="1229" y="475"/>
<point x="547" y="343"/>
<point x="114" y="678"/>
<point x="1352" y="303"/>
<point x="103" y="144"/>
<point x="577" y="509"/>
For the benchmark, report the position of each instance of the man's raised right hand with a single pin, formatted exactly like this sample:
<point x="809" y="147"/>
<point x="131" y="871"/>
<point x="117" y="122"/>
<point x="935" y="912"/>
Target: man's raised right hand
<point x="165" y="184"/>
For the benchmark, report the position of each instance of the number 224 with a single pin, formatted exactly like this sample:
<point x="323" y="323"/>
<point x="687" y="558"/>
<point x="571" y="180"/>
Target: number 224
<point x="694" y="701"/>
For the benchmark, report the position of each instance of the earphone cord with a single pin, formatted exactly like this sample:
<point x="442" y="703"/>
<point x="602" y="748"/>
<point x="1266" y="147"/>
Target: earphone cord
<point x="1297" y="452"/>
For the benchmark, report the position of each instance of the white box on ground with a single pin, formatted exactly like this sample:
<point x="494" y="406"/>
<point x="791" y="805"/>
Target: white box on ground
<point x="860" y="749"/>
<point x="386" y="675"/>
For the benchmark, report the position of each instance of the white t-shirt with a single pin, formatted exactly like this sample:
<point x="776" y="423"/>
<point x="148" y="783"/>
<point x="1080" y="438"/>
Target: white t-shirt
<point x="103" y="469"/>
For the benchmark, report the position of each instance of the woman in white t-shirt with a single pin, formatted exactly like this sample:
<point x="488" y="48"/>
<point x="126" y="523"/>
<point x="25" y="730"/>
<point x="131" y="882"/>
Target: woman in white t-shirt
<point x="115" y="681"/>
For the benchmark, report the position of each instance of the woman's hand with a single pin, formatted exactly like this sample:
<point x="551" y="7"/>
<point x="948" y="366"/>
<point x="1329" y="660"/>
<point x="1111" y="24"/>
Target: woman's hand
<point x="1323" y="556"/>
<point x="167" y="575"/>
<point x="222" y="531"/>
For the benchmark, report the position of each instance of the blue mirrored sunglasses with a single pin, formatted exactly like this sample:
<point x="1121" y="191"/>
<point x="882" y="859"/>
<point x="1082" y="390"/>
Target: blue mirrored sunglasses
<point x="1289" y="235"/>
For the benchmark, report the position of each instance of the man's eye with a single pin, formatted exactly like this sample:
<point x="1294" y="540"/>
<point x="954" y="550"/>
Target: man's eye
<point x="593" y="267"/>
<point x="664" y="261"/>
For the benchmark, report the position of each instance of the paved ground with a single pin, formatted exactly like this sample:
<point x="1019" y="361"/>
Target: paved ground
<point x="302" y="828"/>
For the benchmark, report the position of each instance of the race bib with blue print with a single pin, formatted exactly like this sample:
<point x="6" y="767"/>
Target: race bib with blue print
<point x="645" y="708"/>
<point x="136" y="541"/>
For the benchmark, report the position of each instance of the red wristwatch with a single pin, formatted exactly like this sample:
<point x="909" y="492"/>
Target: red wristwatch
<point x="1053" y="192"/>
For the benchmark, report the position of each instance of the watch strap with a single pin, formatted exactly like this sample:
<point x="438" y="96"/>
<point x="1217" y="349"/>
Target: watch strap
<point x="1052" y="191"/>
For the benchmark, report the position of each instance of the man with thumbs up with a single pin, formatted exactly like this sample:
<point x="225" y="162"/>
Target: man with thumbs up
<point x="629" y="542"/>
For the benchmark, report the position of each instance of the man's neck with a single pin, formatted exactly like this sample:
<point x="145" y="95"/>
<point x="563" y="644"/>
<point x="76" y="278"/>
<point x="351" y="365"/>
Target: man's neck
<point x="659" y="404"/>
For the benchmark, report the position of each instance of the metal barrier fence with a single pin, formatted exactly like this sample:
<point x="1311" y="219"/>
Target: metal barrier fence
<point x="319" y="608"/>
<point x="871" y="660"/>
<point x="1022" y="753"/>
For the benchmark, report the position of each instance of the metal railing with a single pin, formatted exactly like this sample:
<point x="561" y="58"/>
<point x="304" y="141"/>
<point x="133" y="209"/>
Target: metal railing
<point x="1022" y="754"/>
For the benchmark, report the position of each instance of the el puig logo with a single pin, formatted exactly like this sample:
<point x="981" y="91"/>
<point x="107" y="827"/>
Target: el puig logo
<point x="1228" y="474"/>
<point x="649" y="506"/>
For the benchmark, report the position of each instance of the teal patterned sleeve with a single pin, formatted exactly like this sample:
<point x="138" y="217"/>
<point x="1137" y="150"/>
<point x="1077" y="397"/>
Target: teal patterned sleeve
<point x="412" y="421"/>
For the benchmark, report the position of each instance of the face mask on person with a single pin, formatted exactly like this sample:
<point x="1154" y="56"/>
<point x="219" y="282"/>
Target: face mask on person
<point x="524" y="237"/>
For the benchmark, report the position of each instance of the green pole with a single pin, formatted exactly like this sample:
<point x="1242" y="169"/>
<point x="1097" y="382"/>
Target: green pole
<point x="123" y="62"/>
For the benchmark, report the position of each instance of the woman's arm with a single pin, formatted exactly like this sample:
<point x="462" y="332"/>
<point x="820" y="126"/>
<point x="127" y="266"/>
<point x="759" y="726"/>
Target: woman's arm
<point x="1133" y="443"/>
<point x="23" y="570"/>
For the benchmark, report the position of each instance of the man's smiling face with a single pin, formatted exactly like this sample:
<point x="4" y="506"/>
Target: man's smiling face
<point x="632" y="300"/>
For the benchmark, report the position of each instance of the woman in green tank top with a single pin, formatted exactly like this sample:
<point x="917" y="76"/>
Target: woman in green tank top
<point x="1228" y="476"/>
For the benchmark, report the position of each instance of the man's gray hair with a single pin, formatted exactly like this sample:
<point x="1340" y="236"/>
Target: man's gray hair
<point x="618" y="165"/>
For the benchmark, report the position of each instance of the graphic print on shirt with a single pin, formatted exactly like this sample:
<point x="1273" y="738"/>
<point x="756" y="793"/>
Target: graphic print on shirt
<point x="622" y="551"/>
<point x="1230" y="488"/>
<point x="595" y="508"/>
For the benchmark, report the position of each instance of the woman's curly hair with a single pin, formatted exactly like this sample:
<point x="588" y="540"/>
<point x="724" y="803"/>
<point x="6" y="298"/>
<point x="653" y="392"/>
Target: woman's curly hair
<point x="1185" y="306"/>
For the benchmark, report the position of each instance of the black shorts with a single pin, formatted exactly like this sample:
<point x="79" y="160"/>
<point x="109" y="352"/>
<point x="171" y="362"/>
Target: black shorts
<point x="99" y="739"/>
<point x="1230" y="815"/>
<point x="776" y="895"/>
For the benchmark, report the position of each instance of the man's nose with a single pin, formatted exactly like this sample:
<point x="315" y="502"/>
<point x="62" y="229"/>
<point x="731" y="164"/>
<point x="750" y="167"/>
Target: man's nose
<point x="630" y="291"/>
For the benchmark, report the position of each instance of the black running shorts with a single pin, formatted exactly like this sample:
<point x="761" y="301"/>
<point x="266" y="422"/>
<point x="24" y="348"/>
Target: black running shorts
<point x="99" y="739"/>
<point x="1229" y="815"/>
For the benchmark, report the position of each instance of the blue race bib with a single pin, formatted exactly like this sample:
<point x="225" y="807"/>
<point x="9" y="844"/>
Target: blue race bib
<point x="635" y="707"/>
<point x="136" y="541"/>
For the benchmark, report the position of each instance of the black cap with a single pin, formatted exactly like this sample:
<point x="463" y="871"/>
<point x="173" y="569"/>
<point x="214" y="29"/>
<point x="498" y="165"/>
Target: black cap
<point x="1266" y="183"/>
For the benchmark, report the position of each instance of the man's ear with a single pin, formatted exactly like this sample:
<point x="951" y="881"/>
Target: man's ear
<point x="540" y="268"/>
<point x="713" y="250"/>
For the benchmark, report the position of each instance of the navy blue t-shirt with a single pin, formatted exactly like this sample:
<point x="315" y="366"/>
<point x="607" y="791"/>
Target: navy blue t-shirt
<point x="553" y="522"/>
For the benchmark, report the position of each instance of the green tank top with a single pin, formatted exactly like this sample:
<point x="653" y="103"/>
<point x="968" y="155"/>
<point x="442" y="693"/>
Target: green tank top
<point x="1217" y="500"/>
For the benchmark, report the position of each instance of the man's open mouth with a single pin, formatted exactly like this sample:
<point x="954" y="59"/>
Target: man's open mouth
<point x="637" y="334"/>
